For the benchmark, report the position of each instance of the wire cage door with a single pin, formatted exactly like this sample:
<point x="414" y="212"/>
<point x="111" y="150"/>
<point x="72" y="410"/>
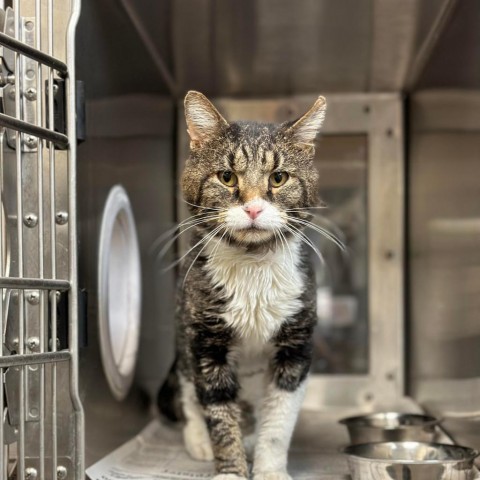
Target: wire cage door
<point x="41" y="424"/>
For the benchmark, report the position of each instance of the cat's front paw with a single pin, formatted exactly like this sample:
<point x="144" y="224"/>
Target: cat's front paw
<point x="228" y="476"/>
<point x="272" y="476"/>
<point x="197" y="441"/>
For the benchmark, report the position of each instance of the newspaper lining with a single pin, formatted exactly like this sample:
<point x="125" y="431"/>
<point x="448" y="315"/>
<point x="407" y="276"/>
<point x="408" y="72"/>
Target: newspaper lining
<point x="156" y="453"/>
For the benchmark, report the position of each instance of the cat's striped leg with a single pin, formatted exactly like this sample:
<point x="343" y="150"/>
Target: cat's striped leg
<point x="217" y="387"/>
<point x="223" y="421"/>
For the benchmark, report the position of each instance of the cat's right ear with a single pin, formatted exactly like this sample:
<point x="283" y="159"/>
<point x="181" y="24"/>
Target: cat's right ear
<point x="204" y="122"/>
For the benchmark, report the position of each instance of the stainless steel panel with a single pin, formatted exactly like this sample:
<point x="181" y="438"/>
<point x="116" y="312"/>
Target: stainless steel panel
<point x="272" y="47"/>
<point x="129" y="143"/>
<point x="110" y="54"/>
<point x="444" y="246"/>
<point x="268" y="47"/>
<point x="454" y="62"/>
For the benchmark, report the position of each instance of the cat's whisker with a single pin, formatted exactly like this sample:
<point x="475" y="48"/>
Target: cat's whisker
<point x="327" y="234"/>
<point x="167" y="246"/>
<point x="299" y="209"/>
<point x="194" y="217"/>
<point x="176" y="262"/>
<point x="302" y="237"/>
<point x="215" y="250"/>
<point x="203" y="208"/>
<point x="276" y="238"/>
<point x="277" y="230"/>
<point x="188" y="222"/>
<point x="210" y="237"/>
<point x="288" y="247"/>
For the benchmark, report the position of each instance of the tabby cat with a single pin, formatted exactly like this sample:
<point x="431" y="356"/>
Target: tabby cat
<point x="247" y="305"/>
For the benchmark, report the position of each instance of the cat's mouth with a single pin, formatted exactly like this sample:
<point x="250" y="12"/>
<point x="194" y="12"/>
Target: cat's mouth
<point x="252" y="234"/>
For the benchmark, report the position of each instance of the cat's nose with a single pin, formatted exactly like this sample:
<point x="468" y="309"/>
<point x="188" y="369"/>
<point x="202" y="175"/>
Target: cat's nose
<point x="253" y="211"/>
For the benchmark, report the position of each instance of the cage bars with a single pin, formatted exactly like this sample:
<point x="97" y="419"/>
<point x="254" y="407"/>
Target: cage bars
<point x="31" y="358"/>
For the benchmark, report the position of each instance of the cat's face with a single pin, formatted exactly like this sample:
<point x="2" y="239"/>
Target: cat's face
<point x="249" y="181"/>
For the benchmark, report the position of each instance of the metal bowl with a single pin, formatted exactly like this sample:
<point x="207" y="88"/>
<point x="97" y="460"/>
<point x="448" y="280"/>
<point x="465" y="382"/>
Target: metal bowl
<point x="390" y="427"/>
<point x="410" y="460"/>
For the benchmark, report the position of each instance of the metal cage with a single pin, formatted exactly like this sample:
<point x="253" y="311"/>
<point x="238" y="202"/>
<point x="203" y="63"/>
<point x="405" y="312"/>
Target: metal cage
<point x="41" y="429"/>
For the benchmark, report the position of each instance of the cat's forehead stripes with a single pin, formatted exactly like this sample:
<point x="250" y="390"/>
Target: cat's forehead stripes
<point x="244" y="158"/>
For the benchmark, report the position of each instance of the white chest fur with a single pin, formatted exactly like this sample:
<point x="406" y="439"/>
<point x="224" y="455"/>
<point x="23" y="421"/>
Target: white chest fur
<point x="263" y="289"/>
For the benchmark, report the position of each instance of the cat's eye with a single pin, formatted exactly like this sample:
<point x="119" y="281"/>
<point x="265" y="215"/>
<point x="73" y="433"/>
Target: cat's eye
<point x="228" y="178"/>
<point x="277" y="179"/>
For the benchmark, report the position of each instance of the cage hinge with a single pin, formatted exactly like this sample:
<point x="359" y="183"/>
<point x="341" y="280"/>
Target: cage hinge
<point x="60" y="108"/>
<point x="19" y="86"/>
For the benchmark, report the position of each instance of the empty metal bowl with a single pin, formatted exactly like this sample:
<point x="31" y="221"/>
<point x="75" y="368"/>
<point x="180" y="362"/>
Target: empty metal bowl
<point x="410" y="460"/>
<point x="390" y="427"/>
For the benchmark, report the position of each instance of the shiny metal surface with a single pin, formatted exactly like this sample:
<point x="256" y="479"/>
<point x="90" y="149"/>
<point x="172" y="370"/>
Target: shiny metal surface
<point x="390" y="427"/>
<point x="271" y="47"/>
<point x="38" y="352"/>
<point x="444" y="257"/>
<point x="33" y="53"/>
<point x="412" y="460"/>
<point x="26" y="127"/>
<point x="136" y="154"/>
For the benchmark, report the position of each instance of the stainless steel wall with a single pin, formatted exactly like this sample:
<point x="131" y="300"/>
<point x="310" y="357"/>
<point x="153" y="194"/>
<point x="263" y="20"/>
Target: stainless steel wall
<point x="278" y="47"/>
<point x="444" y="281"/>
<point x="130" y="144"/>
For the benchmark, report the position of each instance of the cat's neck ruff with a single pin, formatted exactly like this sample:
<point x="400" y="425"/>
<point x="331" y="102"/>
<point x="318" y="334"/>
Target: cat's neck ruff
<point x="262" y="289"/>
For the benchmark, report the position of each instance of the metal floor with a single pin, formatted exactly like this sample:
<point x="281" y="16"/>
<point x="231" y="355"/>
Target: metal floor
<point x="315" y="454"/>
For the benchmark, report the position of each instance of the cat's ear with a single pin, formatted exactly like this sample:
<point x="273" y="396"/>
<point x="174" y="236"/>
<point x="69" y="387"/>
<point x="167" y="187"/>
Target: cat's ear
<point x="203" y="120"/>
<point x="306" y="128"/>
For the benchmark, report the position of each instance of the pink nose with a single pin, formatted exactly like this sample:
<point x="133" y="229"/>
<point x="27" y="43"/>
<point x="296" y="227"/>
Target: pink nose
<point x="253" y="211"/>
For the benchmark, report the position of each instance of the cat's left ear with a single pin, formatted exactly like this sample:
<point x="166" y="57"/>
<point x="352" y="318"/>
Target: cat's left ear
<point x="204" y="122"/>
<point x="306" y="128"/>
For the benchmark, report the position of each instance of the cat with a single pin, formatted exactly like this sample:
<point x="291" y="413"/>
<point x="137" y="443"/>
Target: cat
<point x="247" y="301"/>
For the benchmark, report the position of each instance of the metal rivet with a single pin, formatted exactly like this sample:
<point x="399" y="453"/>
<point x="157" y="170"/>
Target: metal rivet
<point x="31" y="142"/>
<point x="33" y="343"/>
<point x="31" y="93"/>
<point x="55" y="88"/>
<point x="61" y="218"/>
<point x="11" y="94"/>
<point x="33" y="298"/>
<point x="390" y="376"/>
<point x="369" y="397"/>
<point x="30" y="220"/>
<point x="15" y="342"/>
<point x="11" y="79"/>
<point x="31" y="473"/>
<point x="389" y="254"/>
<point x="29" y="25"/>
<point x="61" y="472"/>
